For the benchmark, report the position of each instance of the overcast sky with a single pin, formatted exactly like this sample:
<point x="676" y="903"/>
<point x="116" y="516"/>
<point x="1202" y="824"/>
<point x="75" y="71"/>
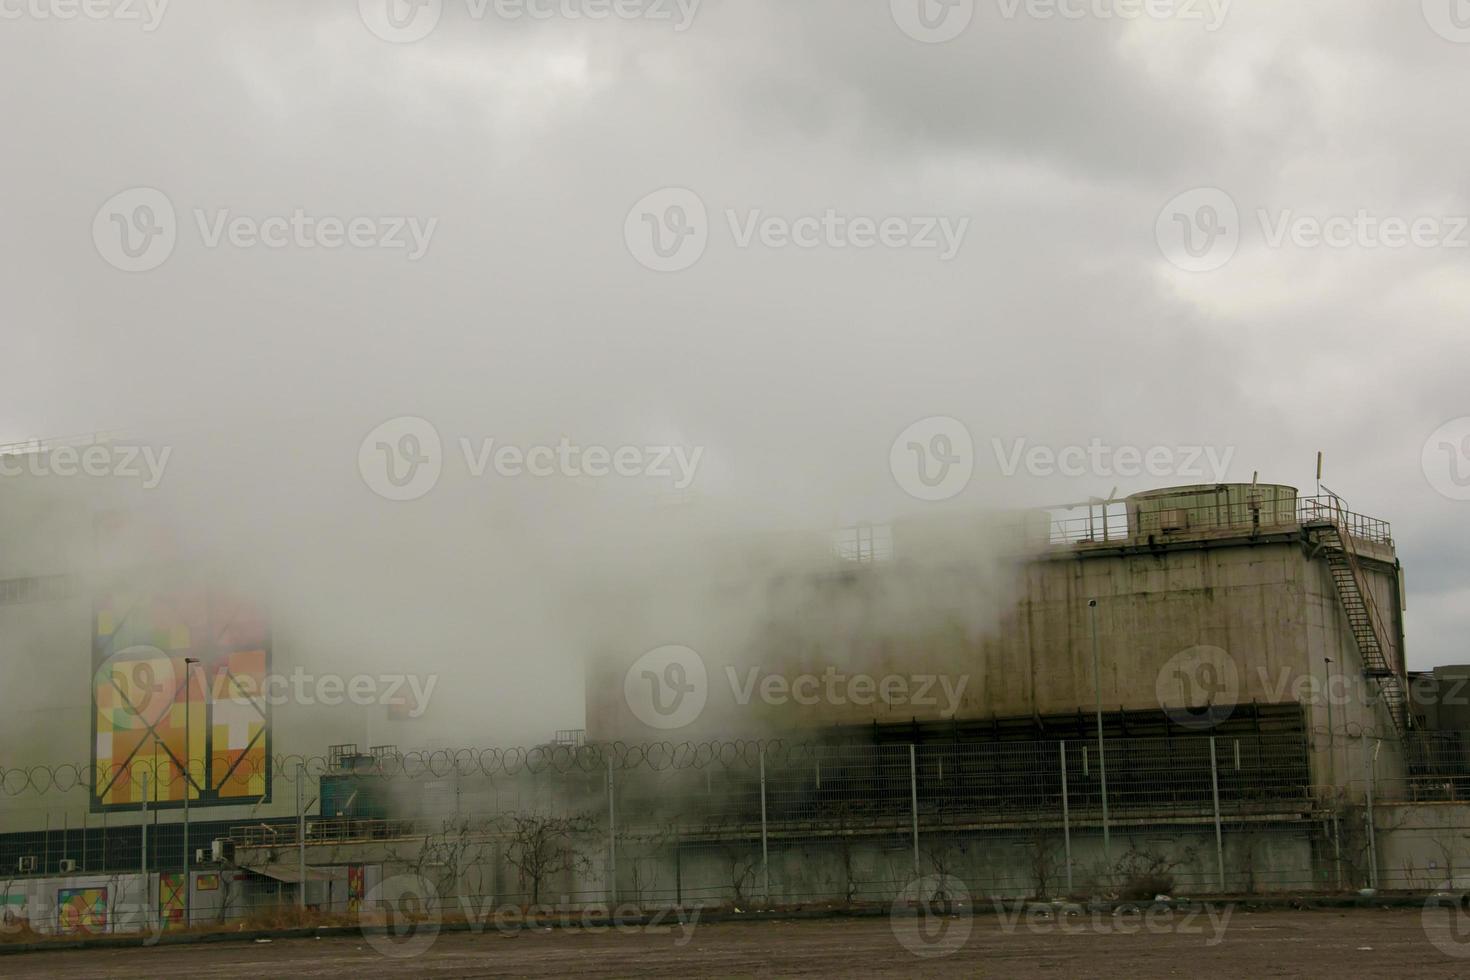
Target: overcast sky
<point x="592" y="228"/>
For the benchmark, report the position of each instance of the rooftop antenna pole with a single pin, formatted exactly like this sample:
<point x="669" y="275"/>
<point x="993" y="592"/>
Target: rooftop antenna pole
<point x="1319" y="472"/>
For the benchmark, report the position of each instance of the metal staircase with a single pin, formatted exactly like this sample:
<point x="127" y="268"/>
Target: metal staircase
<point x="1331" y="528"/>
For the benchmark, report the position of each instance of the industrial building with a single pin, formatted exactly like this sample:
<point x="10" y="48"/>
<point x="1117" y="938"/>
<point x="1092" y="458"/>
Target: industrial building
<point x="1242" y="600"/>
<point x="1239" y="651"/>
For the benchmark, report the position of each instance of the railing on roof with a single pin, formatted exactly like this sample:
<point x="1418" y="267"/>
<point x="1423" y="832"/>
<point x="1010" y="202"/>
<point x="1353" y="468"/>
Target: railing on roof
<point x="1104" y="522"/>
<point x="1110" y="521"/>
<point x="1329" y="509"/>
<point x="1114" y="522"/>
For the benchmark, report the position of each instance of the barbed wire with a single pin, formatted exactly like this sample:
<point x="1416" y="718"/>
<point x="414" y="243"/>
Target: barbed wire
<point x="558" y="760"/>
<point x="426" y="764"/>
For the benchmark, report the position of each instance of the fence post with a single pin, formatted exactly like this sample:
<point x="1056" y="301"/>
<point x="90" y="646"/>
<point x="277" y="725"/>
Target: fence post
<point x="612" y="841"/>
<point x="1102" y="761"/>
<point x="301" y="834"/>
<point x="1337" y="843"/>
<point x="1066" y="815"/>
<point x="1219" y="836"/>
<point x="765" y="852"/>
<point x="143" y="866"/>
<point x="1368" y="759"/>
<point x="914" y="803"/>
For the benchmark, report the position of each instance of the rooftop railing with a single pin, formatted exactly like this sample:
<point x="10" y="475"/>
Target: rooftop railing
<point x="1113" y="522"/>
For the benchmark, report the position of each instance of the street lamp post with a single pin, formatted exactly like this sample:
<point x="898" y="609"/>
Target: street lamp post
<point x="189" y="663"/>
<point x="1102" y="763"/>
<point x="1331" y="738"/>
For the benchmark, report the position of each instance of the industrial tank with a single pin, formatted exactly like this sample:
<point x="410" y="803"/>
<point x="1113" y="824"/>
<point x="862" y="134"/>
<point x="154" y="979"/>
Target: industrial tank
<point x="1226" y="507"/>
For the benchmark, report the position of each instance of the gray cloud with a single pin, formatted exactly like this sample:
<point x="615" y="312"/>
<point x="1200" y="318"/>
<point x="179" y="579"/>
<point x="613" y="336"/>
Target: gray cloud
<point x="1059" y="320"/>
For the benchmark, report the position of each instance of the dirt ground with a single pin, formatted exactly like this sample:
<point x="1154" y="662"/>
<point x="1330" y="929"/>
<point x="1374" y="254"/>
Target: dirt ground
<point x="1337" y="944"/>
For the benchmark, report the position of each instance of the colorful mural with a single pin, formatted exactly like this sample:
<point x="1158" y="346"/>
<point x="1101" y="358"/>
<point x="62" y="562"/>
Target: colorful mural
<point x="207" y="883"/>
<point x="143" y="695"/>
<point x="12" y="909"/>
<point x="355" y="889"/>
<point x="82" y="909"/>
<point x="171" y="899"/>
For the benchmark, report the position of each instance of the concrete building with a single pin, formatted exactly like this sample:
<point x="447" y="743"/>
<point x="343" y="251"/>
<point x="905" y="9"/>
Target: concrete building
<point x="1227" y="604"/>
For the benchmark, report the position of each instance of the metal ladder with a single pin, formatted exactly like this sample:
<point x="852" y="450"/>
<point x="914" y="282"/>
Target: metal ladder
<point x="1362" y="614"/>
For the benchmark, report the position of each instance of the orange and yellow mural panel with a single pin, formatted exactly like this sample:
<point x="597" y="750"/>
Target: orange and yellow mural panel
<point x="179" y="679"/>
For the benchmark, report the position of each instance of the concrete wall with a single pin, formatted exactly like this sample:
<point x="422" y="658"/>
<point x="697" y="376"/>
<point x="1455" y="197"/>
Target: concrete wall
<point x="232" y="895"/>
<point x="131" y="902"/>
<point x="1423" y="846"/>
<point x="1419" y="847"/>
<point x="1258" y="859"/>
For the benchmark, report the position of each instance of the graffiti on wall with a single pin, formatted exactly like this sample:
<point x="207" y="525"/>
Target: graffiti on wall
<point x="355" y="889"/>
<point x="82" y="909"/>
<point x="171" y="898"/>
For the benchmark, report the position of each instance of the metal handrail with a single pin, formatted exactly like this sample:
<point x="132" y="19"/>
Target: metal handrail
<point x="1309" y="510"/>
<point x="1330" y="509"/>
<point x="321" y="830"/>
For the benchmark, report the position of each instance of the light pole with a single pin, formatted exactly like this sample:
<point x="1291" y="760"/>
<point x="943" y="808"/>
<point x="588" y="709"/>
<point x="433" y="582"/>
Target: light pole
<point x="143" y="858"/>
<point x="1331" y="746"/>
<point x="189" y="663"/>
<point x="1102" y="762"/>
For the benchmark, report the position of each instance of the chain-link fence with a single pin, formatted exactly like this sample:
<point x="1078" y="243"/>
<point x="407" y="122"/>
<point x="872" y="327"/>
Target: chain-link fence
<point x="751" y="824"/>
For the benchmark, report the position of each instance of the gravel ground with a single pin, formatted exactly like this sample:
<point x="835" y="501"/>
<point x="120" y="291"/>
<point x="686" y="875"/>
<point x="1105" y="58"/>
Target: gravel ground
<point x="1337" y="944"/>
